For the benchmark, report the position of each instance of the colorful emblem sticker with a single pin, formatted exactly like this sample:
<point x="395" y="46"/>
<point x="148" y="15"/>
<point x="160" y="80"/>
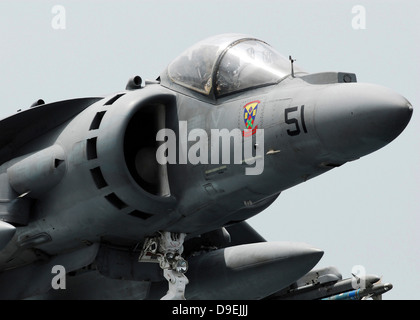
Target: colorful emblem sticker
<point x="250" y="112"/>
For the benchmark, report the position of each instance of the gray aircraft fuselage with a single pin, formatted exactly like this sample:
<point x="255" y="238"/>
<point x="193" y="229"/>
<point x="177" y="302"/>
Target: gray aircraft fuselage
<point x="91" y="176"/>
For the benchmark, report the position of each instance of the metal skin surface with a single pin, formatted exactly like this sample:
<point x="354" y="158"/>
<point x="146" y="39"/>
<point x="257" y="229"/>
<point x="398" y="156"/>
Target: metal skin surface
<point x="90" y="177"/>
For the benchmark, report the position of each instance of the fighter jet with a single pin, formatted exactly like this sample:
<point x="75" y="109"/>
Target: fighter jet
<point x="145" y="193"/>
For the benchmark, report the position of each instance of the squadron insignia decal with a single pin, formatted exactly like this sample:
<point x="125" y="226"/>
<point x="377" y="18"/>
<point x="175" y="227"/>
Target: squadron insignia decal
<point x="250" y="113"/>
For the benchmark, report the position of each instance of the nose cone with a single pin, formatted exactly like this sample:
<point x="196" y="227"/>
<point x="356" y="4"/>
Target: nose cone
<point x="355" y="119"/>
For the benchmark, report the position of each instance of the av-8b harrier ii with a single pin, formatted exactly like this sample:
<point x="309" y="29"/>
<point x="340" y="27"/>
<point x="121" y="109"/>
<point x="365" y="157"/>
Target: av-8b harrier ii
<point x="145" y="193"/>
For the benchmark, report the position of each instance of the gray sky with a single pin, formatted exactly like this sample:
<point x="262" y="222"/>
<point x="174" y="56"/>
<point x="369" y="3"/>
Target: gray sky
<point x="363" y="213"/>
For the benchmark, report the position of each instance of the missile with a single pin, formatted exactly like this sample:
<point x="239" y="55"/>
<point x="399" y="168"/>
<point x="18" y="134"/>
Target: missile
<point x="375" y="292"/>
<point x="327" y="282"/>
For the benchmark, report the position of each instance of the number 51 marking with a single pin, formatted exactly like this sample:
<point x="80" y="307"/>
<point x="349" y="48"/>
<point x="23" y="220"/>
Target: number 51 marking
<point x="292" y="119"/>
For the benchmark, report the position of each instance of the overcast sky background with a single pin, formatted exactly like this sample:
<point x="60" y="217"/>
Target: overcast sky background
<point x="363" y="213"/>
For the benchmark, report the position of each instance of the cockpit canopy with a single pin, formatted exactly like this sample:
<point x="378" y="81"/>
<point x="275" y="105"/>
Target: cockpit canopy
<point x="228" y="63"/>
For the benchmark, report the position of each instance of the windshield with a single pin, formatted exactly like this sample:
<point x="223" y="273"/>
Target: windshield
<point x="194" y="68"/>
<point x="250" y="64"/>
<point x="229" y="63"/>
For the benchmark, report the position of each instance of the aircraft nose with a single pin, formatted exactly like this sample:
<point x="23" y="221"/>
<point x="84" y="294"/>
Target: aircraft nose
<point x="355" y="119"/>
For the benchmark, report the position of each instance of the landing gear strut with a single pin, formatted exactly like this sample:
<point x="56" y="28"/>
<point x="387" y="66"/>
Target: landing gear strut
<point x="166" y="249"/>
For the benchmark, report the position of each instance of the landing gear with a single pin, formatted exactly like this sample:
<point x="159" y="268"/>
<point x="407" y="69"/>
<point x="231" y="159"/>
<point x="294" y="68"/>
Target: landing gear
<point x="166" y="249"/>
